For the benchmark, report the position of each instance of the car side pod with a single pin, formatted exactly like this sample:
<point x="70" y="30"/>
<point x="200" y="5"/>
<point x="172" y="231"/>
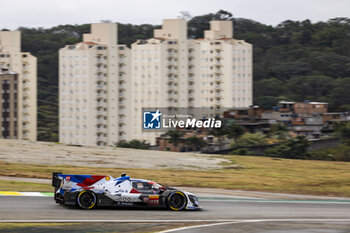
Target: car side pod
<point x="176" y="200"/>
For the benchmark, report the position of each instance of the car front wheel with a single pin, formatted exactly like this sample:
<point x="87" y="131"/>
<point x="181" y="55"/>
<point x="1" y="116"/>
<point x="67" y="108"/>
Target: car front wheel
<point x="177" y="201"/>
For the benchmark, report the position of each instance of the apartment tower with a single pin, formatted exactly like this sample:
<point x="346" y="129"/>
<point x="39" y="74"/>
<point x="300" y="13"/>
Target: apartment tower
<point x="19" y="88"/>
<point x="171" y="71"/>
<point x="94" y="85"/>
<point x="104" y="86"/>
<point x="8" y="103"/>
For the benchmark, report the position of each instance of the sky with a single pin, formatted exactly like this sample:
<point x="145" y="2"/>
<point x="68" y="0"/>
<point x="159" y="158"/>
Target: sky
<point x="48" y="13"/>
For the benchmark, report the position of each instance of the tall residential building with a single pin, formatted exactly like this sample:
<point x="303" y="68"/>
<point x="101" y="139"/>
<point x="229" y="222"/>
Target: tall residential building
<point x="8" y="103"/>
<point x="223" y="70"/>
<point x="104" y="86"/>
<point x="25" y="94"/>
<point x="171" y="71"/>
<point x="94" y="83"/>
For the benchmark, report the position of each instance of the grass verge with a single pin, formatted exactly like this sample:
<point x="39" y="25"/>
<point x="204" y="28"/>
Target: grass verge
<point x="253" y="173"/>
<point x="24" y="186"/>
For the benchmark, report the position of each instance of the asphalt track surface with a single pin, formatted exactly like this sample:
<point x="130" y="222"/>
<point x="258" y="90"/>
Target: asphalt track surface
<point x="217" y="215"/>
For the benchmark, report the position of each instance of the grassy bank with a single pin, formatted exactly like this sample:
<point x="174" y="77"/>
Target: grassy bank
<point x="243" y="172"/>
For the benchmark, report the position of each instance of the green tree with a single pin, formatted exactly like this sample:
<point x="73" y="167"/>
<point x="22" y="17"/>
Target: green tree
<point x="251" y="139"/>
<point x="195" y="143"/>
<point x="234" y="131"/>
<point x="343" y="131"/>
<point x="295" y="148"/>
<point x="219" y="133"/>
<point x="269" y="87"/>
<point x="342" y="153"/>
<point x="175" y="137"/>
<point x="280" y="131"/>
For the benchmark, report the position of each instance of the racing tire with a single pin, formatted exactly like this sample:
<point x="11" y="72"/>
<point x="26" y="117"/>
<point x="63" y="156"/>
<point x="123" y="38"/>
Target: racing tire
<point x="177" y="201"/>
<point x="86" y="199"/>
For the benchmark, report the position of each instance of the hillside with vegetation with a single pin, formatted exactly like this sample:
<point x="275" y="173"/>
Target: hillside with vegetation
<point x="295" y="60"/>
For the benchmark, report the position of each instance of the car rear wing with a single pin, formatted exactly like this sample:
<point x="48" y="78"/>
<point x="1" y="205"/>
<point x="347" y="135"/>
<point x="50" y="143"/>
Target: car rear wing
<point x="56" y="181"/>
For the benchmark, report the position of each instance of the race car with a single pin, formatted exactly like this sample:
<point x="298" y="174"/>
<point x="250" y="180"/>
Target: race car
<point x="89" y="191"/>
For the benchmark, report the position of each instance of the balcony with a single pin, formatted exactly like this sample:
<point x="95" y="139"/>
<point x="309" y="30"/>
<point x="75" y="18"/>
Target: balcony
<point x="217" y="105"/>
<point x="25" y="77"/>
<point x="121" y="77"/>
<point x="171" y="89"/>
<point x="25" y="112"/>
<point x="171" y="96"/>
<point x="25" y="102"/>
<point x="171" y="71"/>
<point x="217" y="55"/>
<point x="121" y="70"/>
<point x="100" y="130"/>
<point x="25" y="119"/>
<point x="121" y="104"/>
<point x="100" y="94"/>
<point x="100" y="70"/>
<point x="172" y="62"/>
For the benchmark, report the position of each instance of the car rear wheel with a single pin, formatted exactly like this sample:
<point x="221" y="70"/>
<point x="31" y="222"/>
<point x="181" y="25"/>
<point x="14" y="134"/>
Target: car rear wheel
<point x="177" y="201"/>
<point x="86" y="199"/>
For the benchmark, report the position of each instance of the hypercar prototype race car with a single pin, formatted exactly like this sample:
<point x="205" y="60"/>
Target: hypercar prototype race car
<point x="89" y="191"/>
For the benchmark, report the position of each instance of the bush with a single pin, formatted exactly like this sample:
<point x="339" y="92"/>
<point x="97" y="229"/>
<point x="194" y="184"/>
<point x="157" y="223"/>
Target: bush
<point x="295" y="148"/>
<point x="344" y="133"/>
<point x="241" y="151"/>
<point x="136" y="144"/>
<point x="342" y="153"/>
<point x="251" y="139"/>
<point x="322" y="155"/>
